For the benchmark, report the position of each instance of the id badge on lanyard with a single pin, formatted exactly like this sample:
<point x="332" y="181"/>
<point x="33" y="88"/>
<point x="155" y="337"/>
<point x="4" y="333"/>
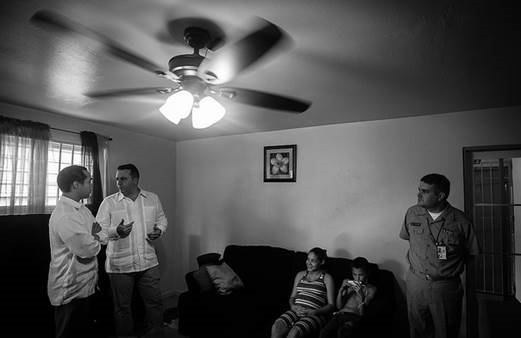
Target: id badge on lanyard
<point x="441" y="250"/>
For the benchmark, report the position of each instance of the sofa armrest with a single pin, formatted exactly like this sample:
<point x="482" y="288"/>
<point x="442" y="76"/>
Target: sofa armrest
<point x="191" y="283"/>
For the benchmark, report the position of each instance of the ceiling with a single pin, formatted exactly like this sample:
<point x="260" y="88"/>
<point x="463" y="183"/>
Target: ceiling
<point x="355" y="60"/>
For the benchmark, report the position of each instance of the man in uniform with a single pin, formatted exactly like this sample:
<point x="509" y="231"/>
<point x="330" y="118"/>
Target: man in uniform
<point x="441" y="241"/>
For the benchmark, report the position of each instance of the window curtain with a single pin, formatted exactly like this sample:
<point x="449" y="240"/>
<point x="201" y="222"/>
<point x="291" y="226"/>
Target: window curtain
<point x="23" y="166"/>
<point x="103" y="147"/>
<point x="90" y="154"/>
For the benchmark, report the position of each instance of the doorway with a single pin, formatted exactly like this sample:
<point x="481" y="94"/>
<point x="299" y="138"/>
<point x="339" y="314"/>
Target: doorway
<point x="492" y="183"/>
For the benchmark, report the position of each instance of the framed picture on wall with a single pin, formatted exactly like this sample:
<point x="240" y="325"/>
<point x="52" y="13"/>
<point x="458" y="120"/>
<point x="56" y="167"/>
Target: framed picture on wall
<point x="280" y="163"/>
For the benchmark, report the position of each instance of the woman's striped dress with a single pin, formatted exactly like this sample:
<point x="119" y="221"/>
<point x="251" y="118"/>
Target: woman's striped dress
<point x="311" y="295"/>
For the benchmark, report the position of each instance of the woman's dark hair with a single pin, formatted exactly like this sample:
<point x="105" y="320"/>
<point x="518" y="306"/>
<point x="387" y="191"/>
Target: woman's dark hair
<point x="70" y="174"/>
<point x="134" y="173"/>
<point x="360" y="263"/>
<point x="320" y="253"/>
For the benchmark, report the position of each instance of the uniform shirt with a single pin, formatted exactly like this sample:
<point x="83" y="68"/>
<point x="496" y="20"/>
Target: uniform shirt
<point x="71" y="274"/>
<point x="134" y="252"/>
<point x="451" y="228"/>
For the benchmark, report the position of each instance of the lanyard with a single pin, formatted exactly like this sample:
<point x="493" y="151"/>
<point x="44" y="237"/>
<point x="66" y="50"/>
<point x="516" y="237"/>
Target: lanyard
<point x="439" y="232"/>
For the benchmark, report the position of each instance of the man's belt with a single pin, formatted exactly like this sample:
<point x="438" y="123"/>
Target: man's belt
<point x="430" y="277"/>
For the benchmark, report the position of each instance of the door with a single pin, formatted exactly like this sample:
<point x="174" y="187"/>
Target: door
<point x="493" y="202"/>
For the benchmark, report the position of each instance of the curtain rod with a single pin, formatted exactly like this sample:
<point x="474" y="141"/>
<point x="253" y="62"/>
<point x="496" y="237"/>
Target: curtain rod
<point x="75" y="132"/>
<point x="30" y="106"/>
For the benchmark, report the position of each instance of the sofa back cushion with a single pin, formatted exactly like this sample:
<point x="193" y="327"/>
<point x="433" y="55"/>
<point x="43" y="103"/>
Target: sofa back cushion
<point x="263" y="269"/>
<point x="339" y="269"/>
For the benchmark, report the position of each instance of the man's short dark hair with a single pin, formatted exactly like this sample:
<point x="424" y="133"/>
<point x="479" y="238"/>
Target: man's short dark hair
<point x="439" y="181"/>
<point x="69" y="175"/>
<point x="360" y="263"/>
<point x="134" y="173"/>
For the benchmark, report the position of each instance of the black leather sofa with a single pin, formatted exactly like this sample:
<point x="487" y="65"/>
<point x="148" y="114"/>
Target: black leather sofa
<point x="268" y="274"/>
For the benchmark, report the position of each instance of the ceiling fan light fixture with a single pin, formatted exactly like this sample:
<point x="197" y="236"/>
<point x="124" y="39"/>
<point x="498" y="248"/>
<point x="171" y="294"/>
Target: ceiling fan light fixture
<point x="207" y="113"/>
<point x="194" y="75"/>
<point x="177" y="106"/>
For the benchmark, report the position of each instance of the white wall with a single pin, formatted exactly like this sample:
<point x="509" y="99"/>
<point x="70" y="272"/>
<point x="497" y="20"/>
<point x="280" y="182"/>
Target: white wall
<point x="154" y="157"/>
<point x="354" y="183"/>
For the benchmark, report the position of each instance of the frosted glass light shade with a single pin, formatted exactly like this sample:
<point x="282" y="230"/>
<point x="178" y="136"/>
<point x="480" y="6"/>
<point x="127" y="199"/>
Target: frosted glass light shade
<point x="177" y="106"/>
<point x="209" y="112"/>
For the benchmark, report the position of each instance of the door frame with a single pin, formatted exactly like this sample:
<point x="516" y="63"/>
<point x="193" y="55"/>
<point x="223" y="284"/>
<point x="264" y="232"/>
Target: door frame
<point x="470" y="285"/>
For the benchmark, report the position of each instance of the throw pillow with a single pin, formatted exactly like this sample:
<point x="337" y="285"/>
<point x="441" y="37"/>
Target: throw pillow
<point x="224" y="278"/>
<point x="203" y="279"/>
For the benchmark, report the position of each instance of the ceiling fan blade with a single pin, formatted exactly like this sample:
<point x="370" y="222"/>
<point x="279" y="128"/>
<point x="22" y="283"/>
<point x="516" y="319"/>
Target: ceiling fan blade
<point x="234" y="58"/>
<point x="61" y="22"/>
<point x="265" y="100"/>
<point x="129" y="92"/>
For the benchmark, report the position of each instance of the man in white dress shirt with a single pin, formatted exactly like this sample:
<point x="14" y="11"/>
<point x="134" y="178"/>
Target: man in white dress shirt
<point x="133" y="218"/>
<point x="74" y="241"/>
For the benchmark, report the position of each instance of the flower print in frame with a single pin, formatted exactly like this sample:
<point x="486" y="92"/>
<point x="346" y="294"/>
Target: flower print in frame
<point x="280" y="163"/>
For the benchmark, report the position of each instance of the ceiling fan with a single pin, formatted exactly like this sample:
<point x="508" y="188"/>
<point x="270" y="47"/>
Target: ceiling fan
<point x="197" y="79"/>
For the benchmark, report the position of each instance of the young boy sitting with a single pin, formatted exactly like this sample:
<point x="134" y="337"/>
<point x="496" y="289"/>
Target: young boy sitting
<point x="352" y="300"/>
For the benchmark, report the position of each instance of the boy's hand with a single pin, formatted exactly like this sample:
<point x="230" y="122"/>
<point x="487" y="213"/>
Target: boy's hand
<point x="359" y="288"/>
<point x="344" y="287"/>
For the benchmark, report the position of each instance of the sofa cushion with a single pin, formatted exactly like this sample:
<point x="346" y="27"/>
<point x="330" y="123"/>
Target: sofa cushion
<point x="224" y="278"/>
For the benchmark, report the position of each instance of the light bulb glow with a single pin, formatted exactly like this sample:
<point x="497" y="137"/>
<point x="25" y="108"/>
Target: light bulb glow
<point x="207" y="113"/>
<point x="178" y="106"/>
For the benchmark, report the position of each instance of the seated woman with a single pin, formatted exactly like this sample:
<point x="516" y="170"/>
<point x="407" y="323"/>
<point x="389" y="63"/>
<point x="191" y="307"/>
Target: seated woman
<point x="311" y="300"/>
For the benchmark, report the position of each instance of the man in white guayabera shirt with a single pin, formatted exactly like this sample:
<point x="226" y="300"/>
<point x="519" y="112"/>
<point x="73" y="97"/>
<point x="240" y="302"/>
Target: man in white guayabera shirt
<point x="74" y="241"/>
<point x="133" y="219"/>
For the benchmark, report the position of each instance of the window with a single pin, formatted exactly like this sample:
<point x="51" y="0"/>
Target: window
<point x="17" y="166"/>
<point x="61" y="155"/>
<point x="31" y="156"/>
